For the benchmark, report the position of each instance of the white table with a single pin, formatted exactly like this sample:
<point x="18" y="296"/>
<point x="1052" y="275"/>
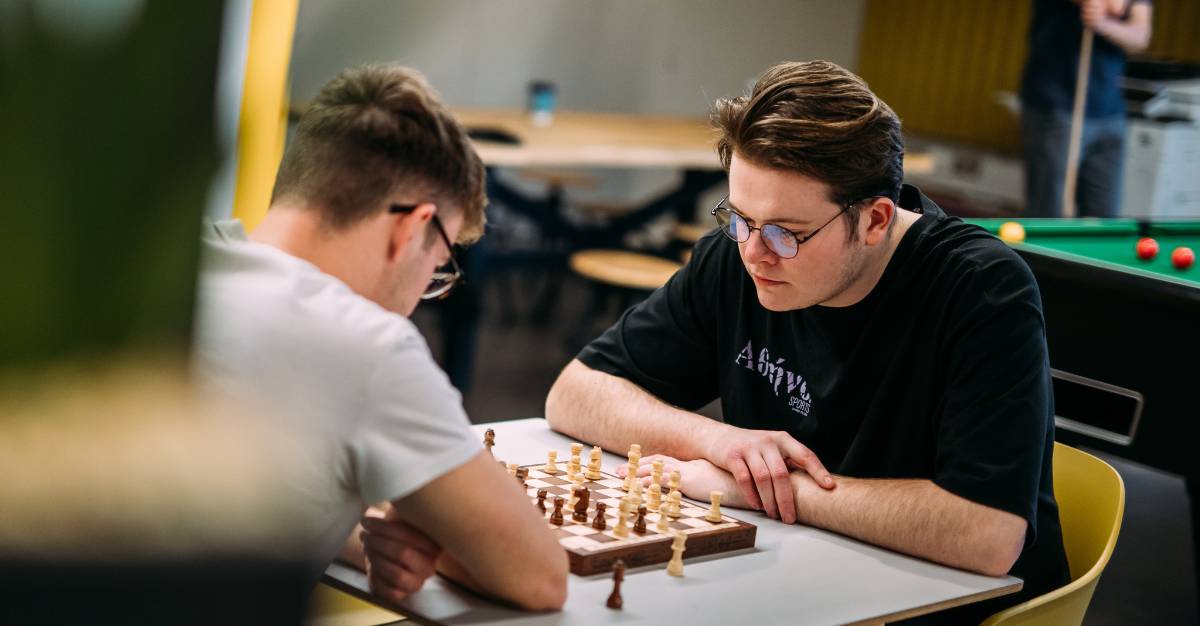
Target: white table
<point x="794" y="575"/>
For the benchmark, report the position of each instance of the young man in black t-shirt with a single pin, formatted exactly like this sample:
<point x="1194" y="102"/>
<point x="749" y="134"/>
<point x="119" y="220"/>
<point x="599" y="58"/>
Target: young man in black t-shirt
<point x="845" y="322"/>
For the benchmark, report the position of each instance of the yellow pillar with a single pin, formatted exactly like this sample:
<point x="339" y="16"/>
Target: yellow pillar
<point x="262" y="122"/>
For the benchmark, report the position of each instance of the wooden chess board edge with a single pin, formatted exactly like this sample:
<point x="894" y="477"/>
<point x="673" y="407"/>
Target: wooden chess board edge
<point x="699" y="544"/>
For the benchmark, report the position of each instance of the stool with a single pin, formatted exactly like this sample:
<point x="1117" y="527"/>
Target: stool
<point x="629" y="274"/>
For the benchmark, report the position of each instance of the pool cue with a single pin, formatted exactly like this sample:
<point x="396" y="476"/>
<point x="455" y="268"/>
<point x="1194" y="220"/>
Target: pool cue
<point x="1077" y="112"/>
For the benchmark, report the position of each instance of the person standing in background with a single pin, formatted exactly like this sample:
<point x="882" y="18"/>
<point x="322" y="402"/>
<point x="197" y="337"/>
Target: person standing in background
<point x="1047" y="96"/>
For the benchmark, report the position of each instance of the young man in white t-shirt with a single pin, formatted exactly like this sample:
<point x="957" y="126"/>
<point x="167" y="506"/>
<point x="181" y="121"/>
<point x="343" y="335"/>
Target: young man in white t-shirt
<point x="308" y="314"/>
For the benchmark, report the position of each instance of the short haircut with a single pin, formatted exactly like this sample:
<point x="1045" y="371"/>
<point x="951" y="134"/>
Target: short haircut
<point x="817" y="119"/>
<point x="375" y="129"/>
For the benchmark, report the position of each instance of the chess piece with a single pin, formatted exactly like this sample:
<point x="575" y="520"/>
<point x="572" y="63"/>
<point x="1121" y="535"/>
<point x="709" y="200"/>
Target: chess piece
<point x="714" y="509"/>
<point x="512" y="469"/>
<point x="622" y="527"/>
<point x="614" y="599"/>
<point x="635" y="455"/>
<point x="556" y="517"/>
<point x="576" y="450"/>
<point x="674" y="501"/>
<point x="574" y="497"/>
<point x="581" y="503"/>
<point x="674" y="484"/>
<point x="636" y="491"/>
<point x="656" y="473"/>
<point x="639" y="525"/>
<point x="572" y="470"/>
<point x="522" y="474"/>
<point x="664" y="525"/>
<point x="551" y="462"/>
<point x="600" y="523"/>
<point x="489" y="439"/>
<point x="654" y="497"/>
<point x="675" y="567"/>
<point x="593" y="466"/>
<point x="541" y="502"/>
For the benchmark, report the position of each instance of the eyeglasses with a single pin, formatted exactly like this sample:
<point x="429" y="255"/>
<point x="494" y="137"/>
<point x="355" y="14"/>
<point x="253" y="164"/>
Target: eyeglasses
<point x="782" y="242"/>
<point x="446" y="277"/>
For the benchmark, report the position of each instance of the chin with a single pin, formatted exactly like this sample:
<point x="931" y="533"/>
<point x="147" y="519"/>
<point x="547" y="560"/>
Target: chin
<point x="778" y="302"/>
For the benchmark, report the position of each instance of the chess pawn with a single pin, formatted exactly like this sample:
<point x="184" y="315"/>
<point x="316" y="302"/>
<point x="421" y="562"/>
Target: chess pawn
<point x="635" y="494"/>
<point x="622" y="527"/>
<point x="556" y="517"/>
<point x="674" y="501"/>
<point x="674" y="484"/>
<point x="551" y="462"/>
<point x="512" y="470"/>
<point x="572" y="469"/>
<point x="714" y="510"/>
<point x="654" y="497"/>
<point x="614" y="599"/>
<point x="664" y="525"/>
<point x="639" y="524"/>
<point x="489" y="439"/>
<point x="575" y="486"/>
<point x="576" y="450"/>
<point x="600" y="523"/>
<point x="675" y="567"/>
<point x="522" y="474"/>
<point x="656" y="473"/>
<point x="541" y="500"/>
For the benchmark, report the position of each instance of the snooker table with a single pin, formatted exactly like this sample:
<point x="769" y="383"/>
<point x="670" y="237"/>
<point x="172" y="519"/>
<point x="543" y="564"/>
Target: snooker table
<point x="1129" y="329"/>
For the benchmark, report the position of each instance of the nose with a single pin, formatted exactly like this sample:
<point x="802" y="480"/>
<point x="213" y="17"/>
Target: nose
<point x="755" y="249"/>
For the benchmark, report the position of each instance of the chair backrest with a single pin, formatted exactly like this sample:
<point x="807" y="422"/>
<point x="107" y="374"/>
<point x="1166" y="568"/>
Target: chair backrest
<point x="1091" y="504"/>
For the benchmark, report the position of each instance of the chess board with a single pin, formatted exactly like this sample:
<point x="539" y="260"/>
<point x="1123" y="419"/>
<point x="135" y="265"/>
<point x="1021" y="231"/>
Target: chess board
<point x="592" y="551"/>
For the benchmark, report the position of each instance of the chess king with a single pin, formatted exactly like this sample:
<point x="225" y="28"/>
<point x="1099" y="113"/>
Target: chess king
<point x="868" y="350"/>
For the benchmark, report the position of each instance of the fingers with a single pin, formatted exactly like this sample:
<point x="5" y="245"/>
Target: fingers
<point x="763" y="482"/>
<point x="781" y="485"/>
<point x="741" y="473"/>
<point x="399" y="532"/>
<point x="391" y="580"/>
<point x="803" y="458"/>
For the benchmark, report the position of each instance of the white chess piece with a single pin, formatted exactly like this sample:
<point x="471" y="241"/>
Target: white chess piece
<point x="674" y="501"/>
<point x="664" y="524"/>
<point x="675" y="567"/>
<point x="622" y="527"/>
<point x="656" y="474"/>
<point x="593" y="467"/>
<point x="551" y="462"/>
<point x="654" y="497"/>
<point x="512" y="469"/>
<point x="714" y="510"/>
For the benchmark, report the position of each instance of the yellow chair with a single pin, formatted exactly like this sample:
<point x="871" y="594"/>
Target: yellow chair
<point x="332" y="607"/>
<point x="1091" y="503"/>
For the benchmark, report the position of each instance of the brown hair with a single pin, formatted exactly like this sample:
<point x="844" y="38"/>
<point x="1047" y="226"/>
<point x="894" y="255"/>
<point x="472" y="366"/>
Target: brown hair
<point x="816" y="119"/>
<point x="374" y="129"/>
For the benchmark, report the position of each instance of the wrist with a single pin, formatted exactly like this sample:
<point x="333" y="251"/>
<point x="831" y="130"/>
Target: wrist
<point x="713" y="434"/>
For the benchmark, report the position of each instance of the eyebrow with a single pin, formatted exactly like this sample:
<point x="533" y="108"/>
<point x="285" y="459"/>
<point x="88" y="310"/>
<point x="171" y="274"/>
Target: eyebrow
<point x="799" y="223"/>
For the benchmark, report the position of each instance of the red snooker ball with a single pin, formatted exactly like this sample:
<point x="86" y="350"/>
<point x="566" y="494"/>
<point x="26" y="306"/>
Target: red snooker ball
<point x="1183" y="257"/>
<point x="1147" y="248"/>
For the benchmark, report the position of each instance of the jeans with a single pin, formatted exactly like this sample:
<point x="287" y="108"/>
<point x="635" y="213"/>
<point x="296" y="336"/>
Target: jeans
<point x="1045" y="138"/>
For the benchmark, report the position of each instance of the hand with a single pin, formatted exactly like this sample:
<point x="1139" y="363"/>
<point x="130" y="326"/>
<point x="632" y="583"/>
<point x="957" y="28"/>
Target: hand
<point x="399" y="558"/>
<point x="697" y="479"/>
<point x="1093" y="12"/>
<point x="760" y="461"/>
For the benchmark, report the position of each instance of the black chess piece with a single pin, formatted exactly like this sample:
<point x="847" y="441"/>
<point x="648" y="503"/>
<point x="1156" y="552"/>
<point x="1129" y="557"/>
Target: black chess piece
<point x="541" y="502"/>
<point x="600" y="523"/>
<point x="639" y="525"/>
<point x="556" y="517"/>
<point x="614" y="598"/>
<point x="581" y="504"/>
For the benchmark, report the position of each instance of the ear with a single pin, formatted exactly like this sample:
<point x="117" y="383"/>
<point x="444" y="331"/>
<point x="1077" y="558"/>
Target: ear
<point x="878" y="216"/>
<point x="408" y="229"/>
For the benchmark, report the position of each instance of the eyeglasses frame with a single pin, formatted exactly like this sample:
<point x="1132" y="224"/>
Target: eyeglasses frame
<point x="800" y="239"/>
<point x="459" y="276"/>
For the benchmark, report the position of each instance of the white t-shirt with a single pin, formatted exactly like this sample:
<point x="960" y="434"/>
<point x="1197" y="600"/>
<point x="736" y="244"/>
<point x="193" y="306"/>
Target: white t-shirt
<point x="353" y="382"/>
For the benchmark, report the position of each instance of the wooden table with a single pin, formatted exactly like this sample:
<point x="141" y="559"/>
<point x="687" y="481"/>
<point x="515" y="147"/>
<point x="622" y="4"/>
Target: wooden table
<point x="794" y="575"/>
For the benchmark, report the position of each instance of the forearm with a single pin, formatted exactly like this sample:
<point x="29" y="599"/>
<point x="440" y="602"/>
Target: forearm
<point x="613" y="413"/>
<point x="1131" y="35"/>
<point x="915" y="517"/>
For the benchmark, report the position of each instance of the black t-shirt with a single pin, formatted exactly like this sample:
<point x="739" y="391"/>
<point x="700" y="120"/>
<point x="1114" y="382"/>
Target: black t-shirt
<point x="941" y="372"/>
